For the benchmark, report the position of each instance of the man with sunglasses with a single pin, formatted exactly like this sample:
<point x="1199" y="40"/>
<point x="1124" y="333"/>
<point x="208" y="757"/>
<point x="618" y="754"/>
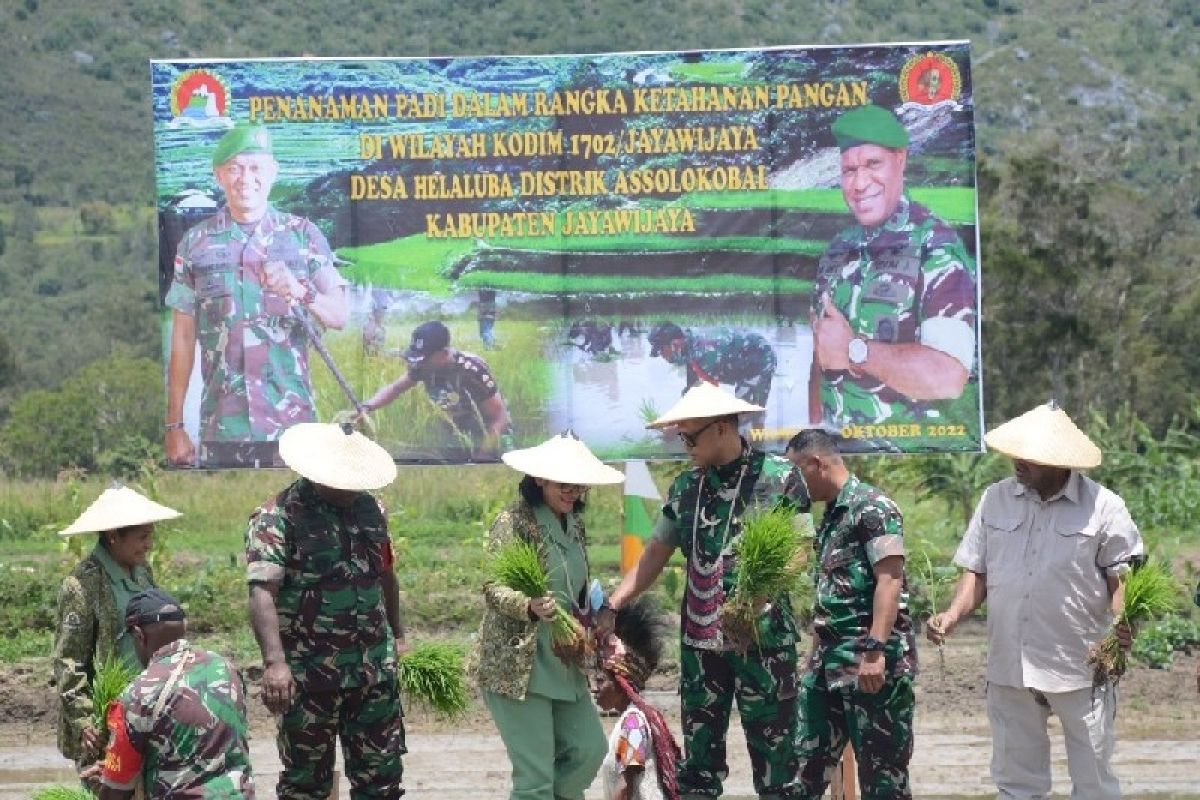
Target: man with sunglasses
<point x="179" y="729"/>
<point x="703" y="517"/>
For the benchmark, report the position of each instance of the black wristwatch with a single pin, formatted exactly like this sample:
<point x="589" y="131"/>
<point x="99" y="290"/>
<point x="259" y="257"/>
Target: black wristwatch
<point x="872" y="645"/>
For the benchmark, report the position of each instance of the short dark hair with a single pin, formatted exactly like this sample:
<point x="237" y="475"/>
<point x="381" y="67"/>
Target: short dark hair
<point x="532" y="494"/>
<point x="815" y="440"/>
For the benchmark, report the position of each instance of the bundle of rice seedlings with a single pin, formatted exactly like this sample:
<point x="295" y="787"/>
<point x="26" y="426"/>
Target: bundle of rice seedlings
<point x="110" y="680"/>
<point x="770" y="559"/>
<point x="518" y="566"/>
<point x="61" y="792"/>
<point x="433" y="674"/>
<point x="1150" y="591"/>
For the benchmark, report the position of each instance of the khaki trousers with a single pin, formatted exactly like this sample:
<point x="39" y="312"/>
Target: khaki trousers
<point x="1021" y="743"/>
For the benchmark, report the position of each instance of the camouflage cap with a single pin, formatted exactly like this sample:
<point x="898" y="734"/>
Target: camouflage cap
<point x="151" y="606"/>
<point x="869" y="125"/>
<point x="242" y="139"/>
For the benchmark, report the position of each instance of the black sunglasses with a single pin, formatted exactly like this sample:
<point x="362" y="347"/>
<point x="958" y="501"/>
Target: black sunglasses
<point x="690" y="439"/>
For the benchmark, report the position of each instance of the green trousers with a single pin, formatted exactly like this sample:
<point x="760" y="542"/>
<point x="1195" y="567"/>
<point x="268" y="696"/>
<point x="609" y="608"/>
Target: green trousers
<point x="370" y="722"/>
<point x="879" y="726"/>
<point x="764" y="684"/>
<point x="555" y="746"/>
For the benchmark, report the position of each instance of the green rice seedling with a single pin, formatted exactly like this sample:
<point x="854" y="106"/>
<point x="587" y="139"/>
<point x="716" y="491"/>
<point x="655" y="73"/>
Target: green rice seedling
<point x="770" y="559"/>
<point x="929" y="584"/>
<point x="433" y="674"/>
<point x="1150" y="591"/>
<point x="61" y="792"/>
<point x="648" y="411"/>
<point x="110" y="680"/>
<point x="518" y="566"/>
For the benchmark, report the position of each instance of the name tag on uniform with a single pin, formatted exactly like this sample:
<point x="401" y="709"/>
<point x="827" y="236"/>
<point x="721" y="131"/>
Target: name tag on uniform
<point x="213" y="284"/>
<point x="904" y="261"/>
<point x="213" y="259"/>
<point x="888" y="292"/>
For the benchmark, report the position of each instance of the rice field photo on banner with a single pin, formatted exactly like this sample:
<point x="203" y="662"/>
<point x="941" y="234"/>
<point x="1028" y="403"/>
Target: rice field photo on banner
<point x="466" y="255"/>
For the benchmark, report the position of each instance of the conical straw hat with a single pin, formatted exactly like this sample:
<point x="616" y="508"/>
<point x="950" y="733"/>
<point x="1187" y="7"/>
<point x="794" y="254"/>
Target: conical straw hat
<point x="702" y="401"/>
<point x="1045" y="435"/>
<point x="336" y="456"/>
<point x="118" y="507"/>
<point x="563" y="459"/>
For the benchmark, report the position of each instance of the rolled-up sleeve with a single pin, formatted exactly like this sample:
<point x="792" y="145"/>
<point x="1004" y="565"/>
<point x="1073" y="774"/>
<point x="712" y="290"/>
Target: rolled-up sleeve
<point x="1122" y="541"/>
<point x="181" y="295"/>
<point x="882" y="526"/>
<point x="665" y="532"/>
<point x="266" y="547"/>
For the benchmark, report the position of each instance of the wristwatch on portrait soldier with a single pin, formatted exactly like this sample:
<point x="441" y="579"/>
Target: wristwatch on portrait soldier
<point x="872" y="645"/>
<point x="856" y="351"/>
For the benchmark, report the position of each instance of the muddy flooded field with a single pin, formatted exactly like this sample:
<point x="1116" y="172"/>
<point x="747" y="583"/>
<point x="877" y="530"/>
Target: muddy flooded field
<point x="1158" y="752"/>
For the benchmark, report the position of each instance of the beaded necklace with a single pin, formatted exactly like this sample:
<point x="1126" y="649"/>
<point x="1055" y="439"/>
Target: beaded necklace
<point x="737" y="491"/>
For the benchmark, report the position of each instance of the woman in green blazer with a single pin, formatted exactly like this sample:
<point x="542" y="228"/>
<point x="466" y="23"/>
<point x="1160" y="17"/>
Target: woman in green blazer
<point x="539" y="697"/>
<point x="90" y="625"/>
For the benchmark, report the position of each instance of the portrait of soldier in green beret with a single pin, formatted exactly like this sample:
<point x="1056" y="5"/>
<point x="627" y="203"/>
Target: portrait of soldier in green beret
<point x="243" y="280"/>
<point x="894" y="307"/>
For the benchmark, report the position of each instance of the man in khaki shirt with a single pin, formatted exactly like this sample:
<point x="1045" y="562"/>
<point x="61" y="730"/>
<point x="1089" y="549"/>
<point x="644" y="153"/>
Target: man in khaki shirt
<point x="1045" y="548"/>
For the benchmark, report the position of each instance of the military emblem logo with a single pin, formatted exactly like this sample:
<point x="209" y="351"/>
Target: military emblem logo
<point x="930" y="79"/>
<point x="200" y="98"/>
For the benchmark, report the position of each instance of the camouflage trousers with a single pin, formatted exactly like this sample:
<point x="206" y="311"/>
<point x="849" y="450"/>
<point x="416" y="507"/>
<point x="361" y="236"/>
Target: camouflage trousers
<point x="878" y="726"/>
<point x="370" y="722"/>
<point x="764" y="683"/>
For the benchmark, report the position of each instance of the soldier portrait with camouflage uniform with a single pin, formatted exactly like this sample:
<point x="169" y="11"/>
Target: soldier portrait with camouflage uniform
<point x="859" y="683"/>
<point x="90" y="622"/>
<point x="179" y="729"/>
<point x="476" y="421"/>
<point x="702" y="518"/>
<point x="894" y="306"/>
<point x="741" y="359"/>
<point x="325" y="608"/>
<point x="243" y="279"/>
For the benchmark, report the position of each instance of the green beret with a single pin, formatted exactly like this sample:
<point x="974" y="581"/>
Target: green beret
<point x="869" y="125"/>
<point x="242" y="139"/>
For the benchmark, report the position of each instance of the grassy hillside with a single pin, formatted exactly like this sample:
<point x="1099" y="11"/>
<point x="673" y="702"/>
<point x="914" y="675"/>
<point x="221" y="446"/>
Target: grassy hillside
<point x="76" y="77"/>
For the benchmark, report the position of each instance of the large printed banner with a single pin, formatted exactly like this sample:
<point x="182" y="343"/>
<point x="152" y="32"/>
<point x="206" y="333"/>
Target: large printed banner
<point x="469" y="254"/>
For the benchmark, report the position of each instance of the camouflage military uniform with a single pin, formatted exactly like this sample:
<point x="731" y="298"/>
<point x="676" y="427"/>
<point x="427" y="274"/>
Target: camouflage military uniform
<point x="712" y="672"/>
<point x="89" y="627"/>
<point x="743" y="360"/>
<point x="861" y="527"/>
<point x="336" y="639"/>
<point x="181" y="727"/>
<point x="458" y="389"/>
<point x="908" y="280"/>
<point x="253" y="351"/>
